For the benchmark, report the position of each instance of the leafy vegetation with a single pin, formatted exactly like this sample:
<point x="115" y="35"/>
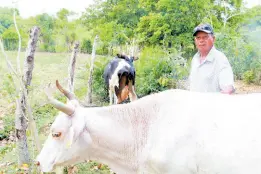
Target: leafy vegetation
<point x="249" y="77"/>
<point x="8" y="122"/>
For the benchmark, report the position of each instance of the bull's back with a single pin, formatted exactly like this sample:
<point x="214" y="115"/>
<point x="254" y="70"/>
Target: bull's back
<point x="211" y="133"/>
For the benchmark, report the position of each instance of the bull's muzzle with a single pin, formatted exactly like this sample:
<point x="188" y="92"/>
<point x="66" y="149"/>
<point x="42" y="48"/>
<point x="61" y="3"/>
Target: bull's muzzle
<point x="37" y="163"/>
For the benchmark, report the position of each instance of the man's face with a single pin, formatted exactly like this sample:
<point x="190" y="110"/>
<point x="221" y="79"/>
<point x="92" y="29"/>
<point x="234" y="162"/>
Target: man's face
<point x="204" y="41"/>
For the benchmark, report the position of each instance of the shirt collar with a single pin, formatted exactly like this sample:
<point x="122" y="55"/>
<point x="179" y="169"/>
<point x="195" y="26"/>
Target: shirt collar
<point x="210" y="56"/>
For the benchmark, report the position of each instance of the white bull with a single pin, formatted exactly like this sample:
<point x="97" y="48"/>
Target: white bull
<point x="172" y="132"/>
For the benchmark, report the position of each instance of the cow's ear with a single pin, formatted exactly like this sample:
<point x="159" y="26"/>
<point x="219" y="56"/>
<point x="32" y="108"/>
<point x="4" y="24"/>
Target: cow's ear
<point x="119" y="55"/>
<point x="135" y="58"/>
<point x="122" y="56"/>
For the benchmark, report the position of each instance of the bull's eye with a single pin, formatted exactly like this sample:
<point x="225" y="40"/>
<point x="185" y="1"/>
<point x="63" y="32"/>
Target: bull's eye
<point x="56" y="134"/>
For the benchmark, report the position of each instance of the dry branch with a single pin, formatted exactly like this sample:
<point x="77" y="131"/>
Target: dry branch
<point x="27" y="78"/>
<point x="19" y="44"/>
<point x="89" y="94"/>
<point x="71" y="67"/>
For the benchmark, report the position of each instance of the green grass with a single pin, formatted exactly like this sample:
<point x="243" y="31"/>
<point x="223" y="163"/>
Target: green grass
<point x="47" y="68"/>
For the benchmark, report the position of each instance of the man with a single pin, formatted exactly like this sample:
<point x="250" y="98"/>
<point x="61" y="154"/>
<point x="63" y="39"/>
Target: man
<point x="210" y="69"/>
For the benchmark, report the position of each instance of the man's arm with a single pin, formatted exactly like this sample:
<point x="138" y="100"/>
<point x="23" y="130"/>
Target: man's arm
<point x="226" y="79"/>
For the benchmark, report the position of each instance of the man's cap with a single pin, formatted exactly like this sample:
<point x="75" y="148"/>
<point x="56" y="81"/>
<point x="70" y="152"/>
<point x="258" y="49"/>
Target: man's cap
<point x="203" y="27"/>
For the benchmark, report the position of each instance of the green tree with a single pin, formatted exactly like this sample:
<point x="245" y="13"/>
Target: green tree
<point x="46" y="24"/>
<point x="117" y="18"/>
<point x="10" y="38"/>
<point x="64" y="31"/>
<point x="6" y="16"/>
<point x="86" y="46"/>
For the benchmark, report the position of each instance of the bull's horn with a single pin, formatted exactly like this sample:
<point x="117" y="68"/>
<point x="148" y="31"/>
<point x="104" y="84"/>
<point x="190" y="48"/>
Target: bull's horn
<point x="67" y="93"/>
<point x="67" y="109"/>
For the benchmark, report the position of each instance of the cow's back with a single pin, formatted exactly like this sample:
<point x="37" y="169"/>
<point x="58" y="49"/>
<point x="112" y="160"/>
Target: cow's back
<point x="116" y="68"/>
<point x="110" y="69"/>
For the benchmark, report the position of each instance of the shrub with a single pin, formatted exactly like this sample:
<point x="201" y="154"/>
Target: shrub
<point x="243" y="54"/>
<point x="86" y="46"/>
<point x="158" y="70"/>
<point x="8" y="122"/>
<point x="249" y="76"/>
<point x="99" y="91"/>
<point x="8" y="87"/>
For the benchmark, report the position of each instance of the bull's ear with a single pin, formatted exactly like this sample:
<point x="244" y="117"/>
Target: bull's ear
<point x="77" y="127"/>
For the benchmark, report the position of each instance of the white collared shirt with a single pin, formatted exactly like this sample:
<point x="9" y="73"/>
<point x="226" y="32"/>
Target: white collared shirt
<point x="214" y="74"/>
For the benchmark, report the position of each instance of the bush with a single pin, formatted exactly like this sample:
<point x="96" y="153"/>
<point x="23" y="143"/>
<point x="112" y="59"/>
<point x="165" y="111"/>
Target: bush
<point x="158" y="70"/>
<point x="48" y="47"/>
<point x="11" y="40"/>
<point x="249" y="77"/>
<point x="243" y="54"/>
<point x="9" y="125"/>
<point x="102" y="49"/>
<point x="99" y="91"/>
<point x="86" y="46"/>
<point x="8" y="87"/>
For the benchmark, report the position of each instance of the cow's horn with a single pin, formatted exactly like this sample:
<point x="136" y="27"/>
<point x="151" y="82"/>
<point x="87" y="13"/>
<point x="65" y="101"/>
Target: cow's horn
<point x="67" y="109"/>
<point x="67" y="93"/>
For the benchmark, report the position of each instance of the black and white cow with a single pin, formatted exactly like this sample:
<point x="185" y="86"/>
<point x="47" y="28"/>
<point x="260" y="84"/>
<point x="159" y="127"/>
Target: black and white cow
<point x="119" y="76"/>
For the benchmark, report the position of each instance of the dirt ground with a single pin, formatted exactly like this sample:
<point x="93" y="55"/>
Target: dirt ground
<point x="242" y="88"/>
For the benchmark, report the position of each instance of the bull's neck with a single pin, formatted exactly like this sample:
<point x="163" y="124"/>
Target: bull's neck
<point x="119" y="134"/>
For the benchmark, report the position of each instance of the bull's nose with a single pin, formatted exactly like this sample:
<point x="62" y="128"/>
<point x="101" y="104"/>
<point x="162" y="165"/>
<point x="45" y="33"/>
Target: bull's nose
<point x="37" y="163"/>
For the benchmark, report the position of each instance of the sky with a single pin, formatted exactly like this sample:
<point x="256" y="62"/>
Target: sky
<point x="250" y="3"/>
<point x="29" y="8"/>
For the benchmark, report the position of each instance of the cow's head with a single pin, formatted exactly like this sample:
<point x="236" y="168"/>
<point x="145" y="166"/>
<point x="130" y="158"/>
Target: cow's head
<point x="128" y="58"/>
<point x="68" y="137"/>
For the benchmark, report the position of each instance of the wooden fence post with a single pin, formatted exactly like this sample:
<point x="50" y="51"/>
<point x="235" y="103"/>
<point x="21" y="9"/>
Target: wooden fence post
<point x="22" y="103"/>
<point x="89" y="93"/>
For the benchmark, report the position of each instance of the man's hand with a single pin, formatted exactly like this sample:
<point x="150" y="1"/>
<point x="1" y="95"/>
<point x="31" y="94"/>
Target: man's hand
<point x="228" y="90"/>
